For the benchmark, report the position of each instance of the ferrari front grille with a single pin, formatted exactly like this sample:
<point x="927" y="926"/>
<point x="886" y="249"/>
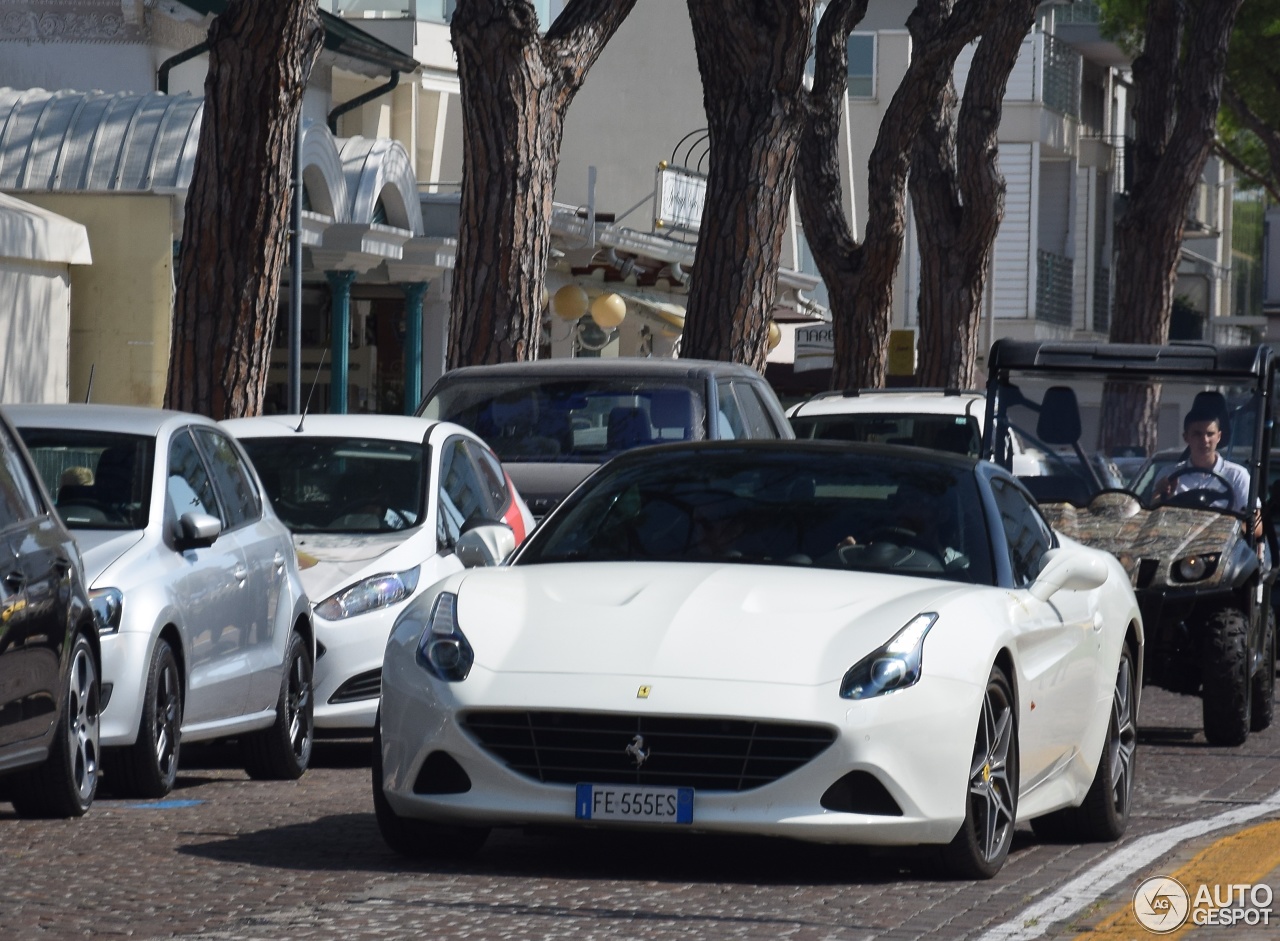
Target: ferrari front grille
<point x="601" y="748"/>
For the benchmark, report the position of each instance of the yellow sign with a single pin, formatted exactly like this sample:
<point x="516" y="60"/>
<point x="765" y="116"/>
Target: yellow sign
<point x="902" y="353"/>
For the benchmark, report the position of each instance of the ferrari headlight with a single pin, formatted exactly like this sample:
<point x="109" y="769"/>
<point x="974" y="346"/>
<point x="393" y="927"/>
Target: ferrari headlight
<point x="443" y="649"/>
<point x="894" y="666"/>
<point x="108" y="606"/>
<point x="369" y="594"/>
<point x="1195" y="568"/>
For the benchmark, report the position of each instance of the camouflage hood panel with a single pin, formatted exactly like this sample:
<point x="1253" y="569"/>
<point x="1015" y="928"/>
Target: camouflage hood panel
<point x="1119" y="524"/>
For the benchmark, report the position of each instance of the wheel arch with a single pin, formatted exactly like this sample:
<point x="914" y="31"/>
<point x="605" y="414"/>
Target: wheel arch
<point x="1004" y="660"/>
<point x="171" y="635"/>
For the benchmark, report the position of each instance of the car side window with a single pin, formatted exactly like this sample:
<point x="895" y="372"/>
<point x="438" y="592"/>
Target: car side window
<point x="1027" y="534"/>
<point x="754" y="415"/>
<point x="188" y="486"/>
<point x="231" y="478"/>
<point x="729" y="423"/>
<point x="491" y="477"/>
<point x="18" y="499"/>
<point x="462" y="495"/>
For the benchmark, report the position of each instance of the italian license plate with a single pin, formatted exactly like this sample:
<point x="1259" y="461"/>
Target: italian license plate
<point x="643" y="804"/>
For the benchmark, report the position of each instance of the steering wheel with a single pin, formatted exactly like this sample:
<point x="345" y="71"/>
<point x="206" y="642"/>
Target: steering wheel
<point x="1197" y="497"/>
<point x="903" y="535"/>
<point x="894" y="538"/>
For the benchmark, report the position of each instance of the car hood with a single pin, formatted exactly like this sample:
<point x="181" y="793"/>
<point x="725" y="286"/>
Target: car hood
<point x="543" y="486"/>
<point x="328" y="561"/>
<point x="1117" y="523"/>
<point x="692" y="620"/>
<point x="101" y="547"/>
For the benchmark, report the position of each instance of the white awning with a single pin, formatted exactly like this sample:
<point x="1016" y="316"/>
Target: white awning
<point x="33" y="234"/>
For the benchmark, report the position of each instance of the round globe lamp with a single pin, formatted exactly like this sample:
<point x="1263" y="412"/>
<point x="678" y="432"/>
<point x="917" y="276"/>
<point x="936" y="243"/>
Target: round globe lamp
<point x="570" y="302"/>
<point x="775" y="334"/>
<point x="608" y="310"/>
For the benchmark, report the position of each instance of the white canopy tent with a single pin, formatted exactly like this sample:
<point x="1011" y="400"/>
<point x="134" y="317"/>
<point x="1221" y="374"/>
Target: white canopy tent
<point x="37" y="248"/>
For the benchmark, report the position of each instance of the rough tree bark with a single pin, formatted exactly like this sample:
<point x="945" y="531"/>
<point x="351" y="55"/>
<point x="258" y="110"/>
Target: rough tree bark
<point x="516" y="86"/>
<point x="751" y="56"/>
<point x="1178" y="88"/>
<point x="235" y="235"/>
<point x="859" y="276"/>
<point x="957" y="195"/>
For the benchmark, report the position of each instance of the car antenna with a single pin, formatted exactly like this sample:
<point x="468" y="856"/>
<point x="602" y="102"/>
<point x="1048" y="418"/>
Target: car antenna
<point x="89" y="391"/>
<point x="303" y="416"/>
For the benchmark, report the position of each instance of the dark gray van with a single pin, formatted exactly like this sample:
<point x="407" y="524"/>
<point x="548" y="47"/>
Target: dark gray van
<point x="554" y="421"/>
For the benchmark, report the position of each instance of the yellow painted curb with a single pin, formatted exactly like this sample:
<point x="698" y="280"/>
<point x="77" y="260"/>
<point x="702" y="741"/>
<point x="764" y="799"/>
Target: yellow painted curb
<point x="1244" y="858"/>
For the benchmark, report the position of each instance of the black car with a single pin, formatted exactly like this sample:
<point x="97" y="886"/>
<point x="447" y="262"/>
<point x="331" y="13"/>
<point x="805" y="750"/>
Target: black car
<point x="552" y="422"/>
<point x="50" y="691"/>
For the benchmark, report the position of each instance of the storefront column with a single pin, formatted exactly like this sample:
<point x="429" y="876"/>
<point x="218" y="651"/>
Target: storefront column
<point x="413" y="295"/>
<point x="340" y="338"/>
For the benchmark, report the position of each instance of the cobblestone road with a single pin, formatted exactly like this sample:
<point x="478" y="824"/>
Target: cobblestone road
<point x="227" y="857"/>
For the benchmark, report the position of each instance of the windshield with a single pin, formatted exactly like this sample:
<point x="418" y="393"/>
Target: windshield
<point x="99" y="480"/>
<point x="956" y="433"/>
<point x="811" y="508"/>
<point x="556" y="420"/>
<point x="340" y="485"/>
<point x="1182" y="440"/>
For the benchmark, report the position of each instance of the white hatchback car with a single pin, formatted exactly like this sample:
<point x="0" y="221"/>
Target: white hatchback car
<point x="206" y="630"/>
<point x="938" y="419"/>
<point x="379" y="506"/>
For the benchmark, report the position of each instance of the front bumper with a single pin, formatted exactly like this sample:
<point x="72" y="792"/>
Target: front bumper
<point x="917" y="743"/>
<point x="352" y="650"/>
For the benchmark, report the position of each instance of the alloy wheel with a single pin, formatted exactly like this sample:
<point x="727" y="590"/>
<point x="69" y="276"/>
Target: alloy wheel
<point x="1123" y="741"/>
<point x="990" y="786"/>
<point x="299" y="704"/>
<point x="166" y="719"/>
<point x="82" y="716"/>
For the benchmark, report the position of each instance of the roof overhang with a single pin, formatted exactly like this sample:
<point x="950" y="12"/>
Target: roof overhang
<point x="365" y="53"/>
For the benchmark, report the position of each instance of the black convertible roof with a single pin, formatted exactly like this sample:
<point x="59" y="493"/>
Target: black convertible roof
<point x="1169" y="360"/>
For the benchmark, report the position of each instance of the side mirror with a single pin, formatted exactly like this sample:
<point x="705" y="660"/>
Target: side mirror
<point x="197" y="530"/>
<point x="1068" y="568"/>
<point x="485" y="543"/>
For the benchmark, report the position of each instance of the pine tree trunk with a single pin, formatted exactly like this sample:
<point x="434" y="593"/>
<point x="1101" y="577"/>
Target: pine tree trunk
<point x="859" y="278"/>
<point x="235" y="235"/>
<point x="1178" y="88"/>
<point x="957" y="194"/>
<point x="515" y="86"/>
<point x="751" y="56"/>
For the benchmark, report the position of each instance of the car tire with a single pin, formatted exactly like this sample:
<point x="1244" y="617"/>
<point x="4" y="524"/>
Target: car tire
<point x="1104" y="813"/>
<point x="282" y="752"/>
<point x="1263" y="692"/>
<point x="149" y="767"/>
<point x="1225" y="688"/>
<point x="66" y="783"/>
<point x="418" y="839"/>
<point x="979" y="849"/>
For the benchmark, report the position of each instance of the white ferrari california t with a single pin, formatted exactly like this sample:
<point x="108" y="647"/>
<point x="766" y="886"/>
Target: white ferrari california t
<point x="839" y="643"/>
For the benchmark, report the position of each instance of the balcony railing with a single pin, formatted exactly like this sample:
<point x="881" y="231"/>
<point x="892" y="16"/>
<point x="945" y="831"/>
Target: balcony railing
<point x="1053" y="288"/>
<point x="1079" y="12"/>
<point x="1061" y="77"/>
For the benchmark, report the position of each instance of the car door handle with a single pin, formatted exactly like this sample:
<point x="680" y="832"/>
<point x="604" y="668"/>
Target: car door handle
<point x="241" y="573"/>
<point x="278" y="561"/>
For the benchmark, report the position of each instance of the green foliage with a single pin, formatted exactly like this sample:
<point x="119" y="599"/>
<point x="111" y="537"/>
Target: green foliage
<point x="1122" y="22"/>
<point x="1253" y="71"/>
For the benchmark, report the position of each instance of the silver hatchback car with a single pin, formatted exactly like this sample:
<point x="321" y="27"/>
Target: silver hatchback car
<point x="206" y="629"/>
